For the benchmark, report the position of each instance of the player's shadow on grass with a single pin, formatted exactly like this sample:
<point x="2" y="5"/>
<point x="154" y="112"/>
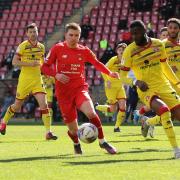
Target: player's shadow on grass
<point x="114" y="161"/>
<point x="137" y="140"/>
<point x="143" y="151"/>
<point x="129" y="135"/>
<point x="44" y="158"/>
<point x="22" y="141"/>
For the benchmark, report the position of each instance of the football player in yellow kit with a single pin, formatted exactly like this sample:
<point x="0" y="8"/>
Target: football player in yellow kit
<point x="29" y="56"/>
<point x="48" y="82"/>
<point x="114" y="89"/>
<point x="148" y="60"/>
<point x="172" y="46"/>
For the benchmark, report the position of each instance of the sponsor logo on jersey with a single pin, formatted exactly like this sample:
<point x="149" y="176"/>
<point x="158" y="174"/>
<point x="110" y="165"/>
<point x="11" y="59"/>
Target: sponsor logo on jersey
<point x="64" y="56"/>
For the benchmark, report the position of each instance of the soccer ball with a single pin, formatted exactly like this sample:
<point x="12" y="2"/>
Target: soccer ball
<point x="87" y="133"/>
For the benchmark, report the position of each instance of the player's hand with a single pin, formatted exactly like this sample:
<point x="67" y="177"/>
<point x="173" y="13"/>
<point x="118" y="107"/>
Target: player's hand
<point x="62" y="78"/>
<point x="114" y="75"/>
<point x="142" y="85"/>
<point x="35" y="63"/>
<point x="174" y="68"/>
<point x="108" y="84"/>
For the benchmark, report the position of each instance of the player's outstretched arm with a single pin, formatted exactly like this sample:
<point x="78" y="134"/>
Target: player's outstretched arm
<point x="48" y="70"/>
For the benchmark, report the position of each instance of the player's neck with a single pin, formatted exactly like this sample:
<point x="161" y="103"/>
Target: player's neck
<point x="70" y="45"/>
<point x="32" y="42"/>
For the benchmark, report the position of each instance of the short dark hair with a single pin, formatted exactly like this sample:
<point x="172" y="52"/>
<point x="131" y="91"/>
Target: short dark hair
<point x="137" y="23"/>
<point x="174" y="20"/>
<point x="31" y="26"/>
<point x="163" y="29"/>
<point x="73" y="26"/>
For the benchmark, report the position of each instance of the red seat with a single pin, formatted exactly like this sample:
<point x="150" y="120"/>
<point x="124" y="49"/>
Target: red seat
<point x="51" y="23"/>
<point x="106" y="29"/>
<point x="58" y="22"/>
<point x="111" y="5"/>
<point x="14" y="9"/>
<point x="11" y="17"/>
<point x="109" y="12"/>
<point x="39" y="15"/>
<point x="32" y="16"/>
<point x="118" y="5"/>
<point x="108" y="21"/>
<point x="50" y="30"/>
<point x="35" y="8"/>
<point x="25" y="16"/>
<point x="20" y="9"/>
<point x="53" y="15"/>
<point x="2" y="24"/>
<point x="18" y="16"/>
<point x="4" y="41"/>
<point x="3" y="48"/>
<point x="27" y="8"/>
<point x="16" y="25"/>
<point x="55" y="7"/>
<point x="11" y="41"/>
<point x="6" y="33"/>
<point x="93" y="21"/>
<point x="46" y="15"/>
<point x="100" y="21"/>
<point x="114" y="29"/>
<point x="1" y="32"/>
<point x="99" y="29"/>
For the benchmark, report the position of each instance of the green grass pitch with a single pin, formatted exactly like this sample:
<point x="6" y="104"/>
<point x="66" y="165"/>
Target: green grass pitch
<point x="25" y="155"/>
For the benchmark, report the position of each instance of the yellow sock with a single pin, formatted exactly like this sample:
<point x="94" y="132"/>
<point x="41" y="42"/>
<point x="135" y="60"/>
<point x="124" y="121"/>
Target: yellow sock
<point x="8" y="115"/>
<point x="46" y="117"/>
<point x="103" y="108"/>
<point x="154" y="120"/>
<point x="120" y="118"/>
<point x="168" y="127"/>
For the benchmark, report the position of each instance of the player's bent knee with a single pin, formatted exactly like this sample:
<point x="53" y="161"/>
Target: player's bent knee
<point x="166" y="117"/>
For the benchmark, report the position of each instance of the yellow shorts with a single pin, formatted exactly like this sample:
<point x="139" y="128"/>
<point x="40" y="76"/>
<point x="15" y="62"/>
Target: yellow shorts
<point x="29" y="86"/>
<point x="114" y="94"/>
<point x="49" y="94"/>
<point x="166" y="93"/>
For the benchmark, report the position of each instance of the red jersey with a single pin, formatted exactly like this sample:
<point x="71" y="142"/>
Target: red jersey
<point x="71" y="62"/>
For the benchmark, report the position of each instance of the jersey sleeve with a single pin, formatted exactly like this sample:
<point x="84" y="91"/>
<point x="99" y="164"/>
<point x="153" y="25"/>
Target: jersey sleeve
<point x="126" y="63"/>
<point x="91" y="58"/>
<point x="47" y="67"/>
<point x="19" y="50"/>
<point x="109" y="65"/>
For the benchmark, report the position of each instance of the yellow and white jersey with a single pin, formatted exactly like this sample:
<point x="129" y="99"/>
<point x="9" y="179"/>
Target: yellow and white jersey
<point x="28" y="53"/>
<point x="173" y="54"/>
<point x="146" y="62"/>
<point x="114" y="65"/>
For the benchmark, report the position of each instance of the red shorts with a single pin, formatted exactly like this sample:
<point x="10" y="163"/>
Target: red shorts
<point x="70" y="106"/>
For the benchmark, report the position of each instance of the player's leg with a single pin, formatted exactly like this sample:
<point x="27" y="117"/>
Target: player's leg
<point x="111" y="95"/>
<point x="163" y="111"/>
<point x="85" y="104"/>
<point x="46" y="116"/>
<point x="72" y="133"/>
<point x="121" y="114"/>
<point x="16" y="107"/>
<point x="69" y="114"/>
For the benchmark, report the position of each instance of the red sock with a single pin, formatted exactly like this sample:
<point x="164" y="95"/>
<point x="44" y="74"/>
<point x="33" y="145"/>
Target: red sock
<point x="74" y="137"/>
<point x="142" y="110"/>
<point x="97" y="122"/>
